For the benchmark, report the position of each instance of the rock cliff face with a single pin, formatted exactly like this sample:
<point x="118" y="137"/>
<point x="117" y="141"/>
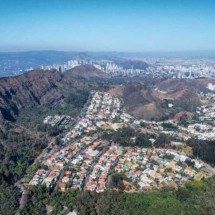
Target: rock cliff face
<point x="41" y="87"/>
<point x="34" y="88"/>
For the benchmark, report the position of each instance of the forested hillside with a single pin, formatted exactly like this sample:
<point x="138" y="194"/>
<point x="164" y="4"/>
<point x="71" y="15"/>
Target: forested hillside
<point x="195" y="198"/>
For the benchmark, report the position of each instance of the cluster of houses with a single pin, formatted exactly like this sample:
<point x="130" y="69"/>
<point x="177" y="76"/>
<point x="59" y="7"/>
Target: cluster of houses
<point x="99" y="175"/>
<point x="83" y="161"/>
<point x="47" y="177"/>
<point x="66" y="158"/>
<point x="155" y="168"/>
<point x="39" y="176"/>
<point x="88" y="165"/>
<point x="206" y="113"/>
<point x="204" y="129"/>
<point x="102" y="108"/>
<point x="181" y="133"/>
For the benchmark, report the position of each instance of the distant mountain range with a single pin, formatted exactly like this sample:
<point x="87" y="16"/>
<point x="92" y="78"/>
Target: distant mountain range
<point x="39" y="87"/>
<point x="13" y="63"/>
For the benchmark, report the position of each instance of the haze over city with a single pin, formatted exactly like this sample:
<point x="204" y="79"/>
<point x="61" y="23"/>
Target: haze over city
<point x="93" y="25"/>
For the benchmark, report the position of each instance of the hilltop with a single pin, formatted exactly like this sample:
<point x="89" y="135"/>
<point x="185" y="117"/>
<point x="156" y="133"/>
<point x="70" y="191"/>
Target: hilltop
<point x="87" y="72"/>
<point x="50" y="87"/>
<point x="150" y="103"/>
<point x="197" y="85"/>
<point x="31" y="89"/>
<point x="39" y="88"/>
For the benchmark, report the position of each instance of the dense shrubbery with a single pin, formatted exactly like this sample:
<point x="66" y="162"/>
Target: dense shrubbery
<point x="204" y="150"/>
<point x="77" y="99"/>
<point x="127" y="136"/>
<point x="50" y="130"/>
<point x="163" y="141"/>
<point x="116" y="181"/>
<point x="33" y="117"/>
<point x="18" y="151"/>
<point x="195" y="198"/>
<point x="8" y="199"/>
<point x="169" y="126"/>
<point x="183" y="121"/>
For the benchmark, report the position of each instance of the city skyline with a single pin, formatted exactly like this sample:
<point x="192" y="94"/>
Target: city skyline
<point x="131" y="26"/>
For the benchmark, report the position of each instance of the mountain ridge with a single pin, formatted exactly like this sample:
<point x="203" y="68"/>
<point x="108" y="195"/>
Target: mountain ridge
<point x="39" y="87"/>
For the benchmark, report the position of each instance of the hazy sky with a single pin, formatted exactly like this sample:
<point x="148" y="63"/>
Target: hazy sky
<point x="107" y="25"/>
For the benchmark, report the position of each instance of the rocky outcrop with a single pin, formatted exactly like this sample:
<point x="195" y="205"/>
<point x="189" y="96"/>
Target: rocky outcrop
<point x="33" y="88"/>
<point x="41" y="87"/>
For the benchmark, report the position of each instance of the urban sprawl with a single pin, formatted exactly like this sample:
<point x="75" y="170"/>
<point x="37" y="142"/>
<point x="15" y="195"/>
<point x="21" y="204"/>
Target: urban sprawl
<point x="156" y="68"/>
<point x="85" y="161"/>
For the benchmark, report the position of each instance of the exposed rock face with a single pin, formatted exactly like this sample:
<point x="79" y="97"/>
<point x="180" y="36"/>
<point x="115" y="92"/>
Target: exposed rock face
<point x="50" y="88"/>
<point x="41" y="87"/>
<point x="28" y="90"/>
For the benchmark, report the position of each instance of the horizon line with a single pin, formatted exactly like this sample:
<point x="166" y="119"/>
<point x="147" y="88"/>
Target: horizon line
<point x="105" y="51"/>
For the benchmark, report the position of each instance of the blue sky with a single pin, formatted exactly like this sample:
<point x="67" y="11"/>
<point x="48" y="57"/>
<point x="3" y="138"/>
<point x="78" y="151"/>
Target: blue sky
<point x="107" y="25"/>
